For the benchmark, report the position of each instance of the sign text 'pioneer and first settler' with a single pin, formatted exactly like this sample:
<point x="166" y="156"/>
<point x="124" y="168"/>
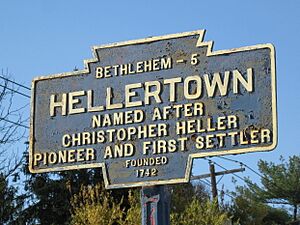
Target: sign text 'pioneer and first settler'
<point x="143" y="109"/>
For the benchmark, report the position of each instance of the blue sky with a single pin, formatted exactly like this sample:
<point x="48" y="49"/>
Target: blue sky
<point x="47" y="37"/>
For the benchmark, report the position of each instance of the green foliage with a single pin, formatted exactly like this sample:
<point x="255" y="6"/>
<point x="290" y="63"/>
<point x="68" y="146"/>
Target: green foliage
<point x="51" y="193"/>
<point x="11" y="203"/>
<point x="183" y="194"/>
<point x="277" y="177"/>
<point x="50" y="201"/>
<point x="276" y="216"/>
<point x="133" y="215"/>
<point x="8" y="206"/>
<point x="249" y="210"/>
<point x="280" y="182"/>
<point x="190" y="203"/>
<point x="201" y="214"/>
<point x="93" y="205"/>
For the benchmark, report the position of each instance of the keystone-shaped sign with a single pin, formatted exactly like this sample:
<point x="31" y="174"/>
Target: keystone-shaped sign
<point x="144" y="109"/>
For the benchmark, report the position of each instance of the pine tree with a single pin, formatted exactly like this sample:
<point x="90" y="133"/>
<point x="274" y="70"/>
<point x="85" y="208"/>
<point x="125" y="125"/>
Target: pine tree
<point x="280" y="183"/>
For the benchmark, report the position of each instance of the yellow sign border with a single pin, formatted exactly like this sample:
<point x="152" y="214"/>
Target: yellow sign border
<point x="210" y="52"/>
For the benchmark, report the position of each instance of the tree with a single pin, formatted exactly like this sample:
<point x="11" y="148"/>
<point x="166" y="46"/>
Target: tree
<point x="92" y="206"/>
<point x="12" y="127"/>
<point x="201" y="213"/>
<point x="133" y="215"/>
<point x="280" y="183"/>
<point x="191" y="205"/>
<point x="248" y="210"/>
<point x="12" y="132"/>
<point x="276" y="216"/>
<point x="183" y="194"/>
<point x="95" y="205"/>
<point x="48" y="201"/>
<point x="9" y="204"/>
<point x="50" y="195"/>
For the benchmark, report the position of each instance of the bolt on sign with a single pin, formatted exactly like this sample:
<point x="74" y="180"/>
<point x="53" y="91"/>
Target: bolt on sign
<point x="144" y="109"/>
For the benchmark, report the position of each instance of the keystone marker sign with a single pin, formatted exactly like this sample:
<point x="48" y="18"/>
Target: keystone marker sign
<point x="143" y="110"/>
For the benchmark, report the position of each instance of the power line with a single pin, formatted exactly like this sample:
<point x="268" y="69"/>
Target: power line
<point x="20" y="93"/>
<point x="207" y="183"/>
<point x="227" y="170"/>
<point x="222" y="173"/>
<point x="212" y="175"/>
<point x="231" y="160"/>
<point x="15" y="123"/>
<point x="16" y="83"/>
<point x="263" y="177"/>
<point x="242" y="164"/>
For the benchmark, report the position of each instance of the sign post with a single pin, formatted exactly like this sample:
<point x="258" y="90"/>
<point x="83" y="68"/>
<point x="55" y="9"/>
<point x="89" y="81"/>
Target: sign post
<point x="143" y="110"/>
<point x="155" y="203"/>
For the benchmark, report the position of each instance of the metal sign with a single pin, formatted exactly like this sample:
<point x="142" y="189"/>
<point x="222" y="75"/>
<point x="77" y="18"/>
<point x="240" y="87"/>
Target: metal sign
<point x="144" y="109"/>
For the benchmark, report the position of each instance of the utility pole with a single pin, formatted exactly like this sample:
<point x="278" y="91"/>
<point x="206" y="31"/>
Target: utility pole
<point x="213" y="174"/>
<point x="213" y="181"/>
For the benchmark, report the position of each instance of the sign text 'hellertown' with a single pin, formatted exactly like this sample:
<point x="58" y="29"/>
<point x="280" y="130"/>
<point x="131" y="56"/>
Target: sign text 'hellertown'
<point x="142" y="110"/>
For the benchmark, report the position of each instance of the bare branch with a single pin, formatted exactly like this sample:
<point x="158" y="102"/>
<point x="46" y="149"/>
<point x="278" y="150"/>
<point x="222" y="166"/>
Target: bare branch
<point x="13" y="125"/>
